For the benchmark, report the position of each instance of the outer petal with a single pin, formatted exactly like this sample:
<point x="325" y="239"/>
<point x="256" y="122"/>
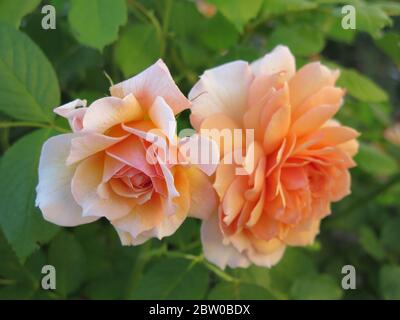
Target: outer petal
<point x="54" y="197"/>
<point x="266" y="253"/>
<point x="150" y="83"/>
<point x="221" y="90"/>
<point x="89" y="143"/>
<point x="303" y="234"/>
<point x="74" y="111"/>
<point x="110" y="111"/>
<point x="215" y="249"/>
<point x="278" y="60"/>
<point x="203" y="198"/>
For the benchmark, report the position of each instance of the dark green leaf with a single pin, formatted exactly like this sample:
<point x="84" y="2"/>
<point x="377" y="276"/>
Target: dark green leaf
<point x="137" y="48"/>
<point x="12" y="11"/>
<point x="67" y="256"/>
<point x="321" y="287"/>
<point x="173" y="279"/>
<point x="371" y="244"/>
<point x="389" y="282"/>
<point x="28" y="85"/>
<point x="22" y="223"/>
<point x="375" y="161"/>
<point x="237" y="11"/>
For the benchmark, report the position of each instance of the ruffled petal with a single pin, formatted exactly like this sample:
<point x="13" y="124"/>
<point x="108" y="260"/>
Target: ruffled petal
<point x="54" y="197"/>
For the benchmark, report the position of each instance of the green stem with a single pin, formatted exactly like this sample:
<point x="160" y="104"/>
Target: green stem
<point x="32" y="124"/>
<point x="149" y="15"/>
<point x="200" y="259"/>
<point x="165" y="26"/>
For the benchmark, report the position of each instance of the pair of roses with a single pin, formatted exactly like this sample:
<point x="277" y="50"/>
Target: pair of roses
<point x="296" y="165"/>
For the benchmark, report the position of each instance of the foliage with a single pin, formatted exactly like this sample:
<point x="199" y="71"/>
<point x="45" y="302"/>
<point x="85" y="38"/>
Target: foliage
<point x="120" y="38"/>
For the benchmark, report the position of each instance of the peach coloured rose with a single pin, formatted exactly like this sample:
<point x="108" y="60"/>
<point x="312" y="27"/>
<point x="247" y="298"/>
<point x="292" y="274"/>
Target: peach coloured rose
<point x="297" y="165"/>
<point x="103" y="168"/>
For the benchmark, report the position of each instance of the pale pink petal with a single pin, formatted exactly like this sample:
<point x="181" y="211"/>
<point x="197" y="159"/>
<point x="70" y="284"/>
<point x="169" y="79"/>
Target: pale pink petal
<point x="132" y="152"/>
<point x="218" y="251"/>
<point x="163" y="117"/>
<point x="226" y="133"/>
<point x="181" y="204"/>
<point x="141" y="218"/>
<point x="267" y="253"/>
<point x="155" y="81"/>
<point x="85" y="183"/>
<point x="203" y="198"/>
<point x="280" y="59"/>
<point x="54" y="197"/>
<point x="200" y="151"/>
<point x="233" y="200"/>
<point x="225" y="174"/>
<point x="107" y="112"/>
<point x="222" y="90"/>
<point x="74" y="111"/>
<point x="89" y="143"/>
<point x="111" y="167"/>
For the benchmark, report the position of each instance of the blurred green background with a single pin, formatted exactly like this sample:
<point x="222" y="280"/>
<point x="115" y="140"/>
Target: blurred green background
<point x="40" y="69"/>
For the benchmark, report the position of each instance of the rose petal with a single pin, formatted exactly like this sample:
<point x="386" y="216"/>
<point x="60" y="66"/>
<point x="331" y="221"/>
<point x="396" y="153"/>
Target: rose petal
<point x="107" y="112"/>
<point x="54" y="197"/>
<point x="222" y="90"/>
<point x="155" y="81"/>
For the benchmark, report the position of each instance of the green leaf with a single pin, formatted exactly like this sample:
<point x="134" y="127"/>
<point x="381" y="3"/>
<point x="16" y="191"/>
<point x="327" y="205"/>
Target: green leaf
<point x="312" y="40"/>
<point x="389" y="282"/>
<point x="67" y="256"/>
<point x="22" y="223"/>
<point x="241" y="291"/>
<point x="294" y="264"/>
<point x="137" y="48"/>
<point x="390" y="44"/>
<point x="391" y="8"/>
<point x="370" y="242"/>
<point x="173" y="279"/>
<point x="390" y="236"/>
<point x="361" y="87"/>
<point x="313" y="287"/>
<point x="278" y="7"/>
<point x="28" y="84"/>
<point x="375" y="161"/>
<point x="95" y="23"/>
<point x="239" y="12"/>
<point x="218" y="33"/>
<point x="12" y="11"/>
<point x="371" y="18"/>
<point x="16" y="282"/>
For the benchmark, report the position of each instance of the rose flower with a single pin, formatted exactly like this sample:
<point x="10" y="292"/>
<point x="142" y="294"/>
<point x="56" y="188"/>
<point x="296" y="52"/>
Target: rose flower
<point x="103" y="168"/>
<point x="294" y="168"/>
